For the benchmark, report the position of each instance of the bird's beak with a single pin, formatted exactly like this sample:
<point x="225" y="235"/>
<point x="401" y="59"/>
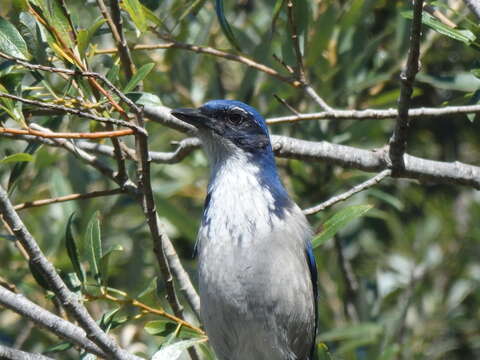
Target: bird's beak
<point x="191" y="116"/>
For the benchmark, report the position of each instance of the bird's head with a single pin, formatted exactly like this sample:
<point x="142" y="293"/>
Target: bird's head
<point x="228" y="126"/>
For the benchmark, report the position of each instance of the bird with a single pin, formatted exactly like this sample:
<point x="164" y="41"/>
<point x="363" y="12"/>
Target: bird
<point x="256" y="268"/>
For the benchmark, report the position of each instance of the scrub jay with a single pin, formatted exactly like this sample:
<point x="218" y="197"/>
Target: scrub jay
<point x="257" y="272"/>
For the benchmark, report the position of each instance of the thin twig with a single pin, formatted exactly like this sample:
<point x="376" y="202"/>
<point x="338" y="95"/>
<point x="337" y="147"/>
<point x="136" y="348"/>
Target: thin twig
<point x="68" y="135"/>
<point x="148" y="309"/>
<point x="44" y="318"/>
<point x="300" y="71"/>
<point x="90" y="195"/>
<point x="172" y="44"/>
<point x="398" y="141"/>
<point x="347" y="194"/>
<point x="82" y="155"/>
<point x="69" y="300"/>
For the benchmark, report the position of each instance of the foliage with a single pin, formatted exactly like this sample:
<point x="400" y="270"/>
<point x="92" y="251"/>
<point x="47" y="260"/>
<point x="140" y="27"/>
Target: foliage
<point x="414" y="254"/>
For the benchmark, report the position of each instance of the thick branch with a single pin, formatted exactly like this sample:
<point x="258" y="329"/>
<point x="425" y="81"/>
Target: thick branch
<point x="376" y="161"/>
<point x="64" y="329"/>
<point x="398" y="141"/>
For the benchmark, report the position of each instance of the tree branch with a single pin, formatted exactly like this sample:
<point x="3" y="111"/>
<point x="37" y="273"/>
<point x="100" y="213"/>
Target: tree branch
<point x="70" y="197"/>
<point x="8" y="353"/>
<point x="53" y="323"/>
<point x="376" y="161"/>
<point x="73" y="111"/>
<point x="350" y="157"/>
<point x="376" y="114"/>
<point x="347" y="194"/>
<point x="398" y="141"/>
<point x="69" y="300"/>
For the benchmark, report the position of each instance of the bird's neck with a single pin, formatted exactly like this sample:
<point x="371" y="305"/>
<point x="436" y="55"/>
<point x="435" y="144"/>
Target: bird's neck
<point x="245" y="191"/>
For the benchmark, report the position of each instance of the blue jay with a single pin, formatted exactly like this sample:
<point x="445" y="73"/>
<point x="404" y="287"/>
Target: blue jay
<point x="257" y="272"/>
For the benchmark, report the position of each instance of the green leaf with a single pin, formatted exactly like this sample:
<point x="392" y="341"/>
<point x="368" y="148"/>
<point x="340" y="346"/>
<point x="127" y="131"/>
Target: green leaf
<point x="150" y="16"/>
<point x="139" y="76"/>
<point x="465" y="36"/>
<point x="58" y="348"/>
<point x="143" y="98"/>
<point x="73" y="282"/>
<point x="53" y="13"/>
<point x="227" y="30"/>
<point x="160" y="327"/>
<point x="135" y="10"/>
<point x="338" y="222"/>
<point x="19" y="157"/>
<point x="11" y="42"/>
<point x="35" y="36"/>
<point x="113" y="72"/>
<point x="84" y="36"/>
<point x="350" y="332"/>
<point x="72" y="250"/>
<point x="107" y="319"/>
<point x="104" y="261"/>
<point x="94" y="246"/>
<point x="174" y="351"/>
<point x="38" y="275"/>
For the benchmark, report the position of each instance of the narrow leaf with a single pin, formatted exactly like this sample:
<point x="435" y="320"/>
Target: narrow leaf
<point x="94" y="246"/>
<point x="19" y="157"/>
<point x="175" y="350"/>
<point x="139" y="76"/>
<point x="160" y="327"/>
<point x="135" y="10"/>
<point x="104" y="261"/>
<point x="11" y="42"/>
<point x="465" y="36"/>
<point x="338" y="222"/>
<point x="38" y="275"/>
<point x="84" y="36"/>
<point x="227" y="30"/>
<point x="72" y="250"/>
<point x="58" y="348"/>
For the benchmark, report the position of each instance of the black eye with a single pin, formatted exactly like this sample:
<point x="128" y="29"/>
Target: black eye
<point x="235" y="118"/>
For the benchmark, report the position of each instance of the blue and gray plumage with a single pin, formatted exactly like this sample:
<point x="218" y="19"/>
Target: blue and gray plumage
<point x="257" y="273"/>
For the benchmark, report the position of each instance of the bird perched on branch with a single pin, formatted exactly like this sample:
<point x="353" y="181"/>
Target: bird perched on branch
<point x="257" y="272"/>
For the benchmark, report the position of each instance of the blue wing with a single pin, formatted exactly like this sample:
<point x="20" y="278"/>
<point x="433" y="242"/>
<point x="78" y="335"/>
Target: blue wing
<point x="313" y="274"/>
